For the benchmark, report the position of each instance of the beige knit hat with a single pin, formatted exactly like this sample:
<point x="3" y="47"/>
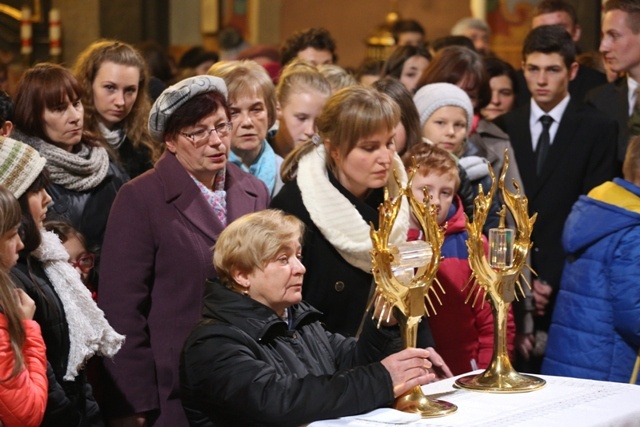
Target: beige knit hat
<point x="20" y="165"/>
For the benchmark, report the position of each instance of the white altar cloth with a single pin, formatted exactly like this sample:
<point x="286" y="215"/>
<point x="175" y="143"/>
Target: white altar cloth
<point x="562" y="402"/>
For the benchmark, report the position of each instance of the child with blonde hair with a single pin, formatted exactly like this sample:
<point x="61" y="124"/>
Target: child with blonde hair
<point x="463" y="332"/>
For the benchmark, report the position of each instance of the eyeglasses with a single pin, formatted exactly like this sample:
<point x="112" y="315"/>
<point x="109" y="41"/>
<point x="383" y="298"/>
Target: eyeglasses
<point x="85" y="262"/>
<point x="201" y="136"/>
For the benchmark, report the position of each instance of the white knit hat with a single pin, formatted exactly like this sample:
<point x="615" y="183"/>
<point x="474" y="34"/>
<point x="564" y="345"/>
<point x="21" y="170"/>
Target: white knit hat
<point x="20" y="165"/>
<point x="437" y="95"/>
<point x="175" y="96"/>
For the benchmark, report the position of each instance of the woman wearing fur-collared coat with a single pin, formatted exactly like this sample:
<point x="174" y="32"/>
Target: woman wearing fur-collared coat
<point x="158" y="248"/>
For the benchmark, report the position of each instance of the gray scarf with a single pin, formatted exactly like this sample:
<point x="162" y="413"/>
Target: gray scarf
<point x="79" y="171"/>
<point x="114" y="137"/>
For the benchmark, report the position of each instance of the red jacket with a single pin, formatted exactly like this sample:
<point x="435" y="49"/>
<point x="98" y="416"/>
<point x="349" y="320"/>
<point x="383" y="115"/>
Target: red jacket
<point x="23" y="397"/>
<point x="461" y="332"/>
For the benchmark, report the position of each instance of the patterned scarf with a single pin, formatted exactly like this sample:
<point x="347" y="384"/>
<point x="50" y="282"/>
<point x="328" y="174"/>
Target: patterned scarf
<point x="79" y="171"/>
<point x="217" y="198"/>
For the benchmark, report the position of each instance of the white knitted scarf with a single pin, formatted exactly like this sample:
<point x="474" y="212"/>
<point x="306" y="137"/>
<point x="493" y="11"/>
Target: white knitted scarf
<point x="79" y="171"/>
<point x="89" y="331"/>
<point x="336" y="217"/>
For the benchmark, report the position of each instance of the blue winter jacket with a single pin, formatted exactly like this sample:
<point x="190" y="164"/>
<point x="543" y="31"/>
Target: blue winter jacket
<point x="595" y="331"/>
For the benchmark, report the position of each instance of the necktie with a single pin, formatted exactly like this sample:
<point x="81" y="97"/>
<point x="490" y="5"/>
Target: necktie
<point x="543" y="143"/>
<point x="634" y="119"/>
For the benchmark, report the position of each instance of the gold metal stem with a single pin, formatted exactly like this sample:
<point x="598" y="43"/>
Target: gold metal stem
<point x="500" y="377"/>
<point x="415" y="400"/>
<point x="498" y="281"/>
<point x="407" y="293"/>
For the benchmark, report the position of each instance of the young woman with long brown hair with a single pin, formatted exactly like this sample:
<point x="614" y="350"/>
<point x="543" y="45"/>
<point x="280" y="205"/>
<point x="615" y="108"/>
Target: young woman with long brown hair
<point x="114" y="80"/>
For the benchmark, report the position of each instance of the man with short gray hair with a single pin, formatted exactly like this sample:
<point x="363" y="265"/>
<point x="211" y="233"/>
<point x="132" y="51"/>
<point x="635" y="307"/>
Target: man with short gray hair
<point x="475" y="29"/>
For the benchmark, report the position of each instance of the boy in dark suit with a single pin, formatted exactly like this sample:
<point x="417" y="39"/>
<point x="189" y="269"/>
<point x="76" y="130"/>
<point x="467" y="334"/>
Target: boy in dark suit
<point x="563" y="149"/>
<point x="560" y="12"/>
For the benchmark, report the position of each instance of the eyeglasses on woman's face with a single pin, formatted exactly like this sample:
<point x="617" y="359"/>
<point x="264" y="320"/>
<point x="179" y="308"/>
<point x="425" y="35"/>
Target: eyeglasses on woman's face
<point x="202" y="136"/>
<point x="85" y="262"/>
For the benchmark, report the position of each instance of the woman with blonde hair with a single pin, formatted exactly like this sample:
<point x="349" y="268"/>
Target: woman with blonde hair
<point x="302" y="91"/>
<point x="338" y="77"/>
<point x="252" y="102"/>
<point x="244" y="346"/>
<point x="335" y="185"/>
<point x="114" y="79"/>
<point x="23" y="359"/>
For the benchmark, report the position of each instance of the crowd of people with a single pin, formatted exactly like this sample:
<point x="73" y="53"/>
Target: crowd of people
<point x="192" y="247"/>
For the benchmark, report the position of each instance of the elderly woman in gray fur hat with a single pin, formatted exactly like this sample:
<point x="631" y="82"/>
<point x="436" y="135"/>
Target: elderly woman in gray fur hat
<point x="158" y="248"/>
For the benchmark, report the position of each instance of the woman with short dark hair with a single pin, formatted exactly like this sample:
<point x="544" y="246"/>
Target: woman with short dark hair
<point x="502" y="80"/>
<point x="407" y="63"/>
<point x="158" y="247"/>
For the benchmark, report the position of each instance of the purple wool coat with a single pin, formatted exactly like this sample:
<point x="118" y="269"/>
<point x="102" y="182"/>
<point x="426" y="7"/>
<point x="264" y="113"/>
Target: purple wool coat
<point x="156" y="256"/>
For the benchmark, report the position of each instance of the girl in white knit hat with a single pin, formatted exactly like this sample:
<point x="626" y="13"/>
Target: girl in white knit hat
<point x="446" y="114"/>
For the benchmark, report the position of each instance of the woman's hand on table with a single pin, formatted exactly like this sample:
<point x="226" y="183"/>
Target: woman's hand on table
<point x="409" y="368"/>
<point x="439" y="367"/>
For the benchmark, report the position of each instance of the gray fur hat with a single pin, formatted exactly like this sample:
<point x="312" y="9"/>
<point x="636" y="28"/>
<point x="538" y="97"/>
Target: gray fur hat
<point x="436" y="95"/>
<point x="175" y="96"/>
